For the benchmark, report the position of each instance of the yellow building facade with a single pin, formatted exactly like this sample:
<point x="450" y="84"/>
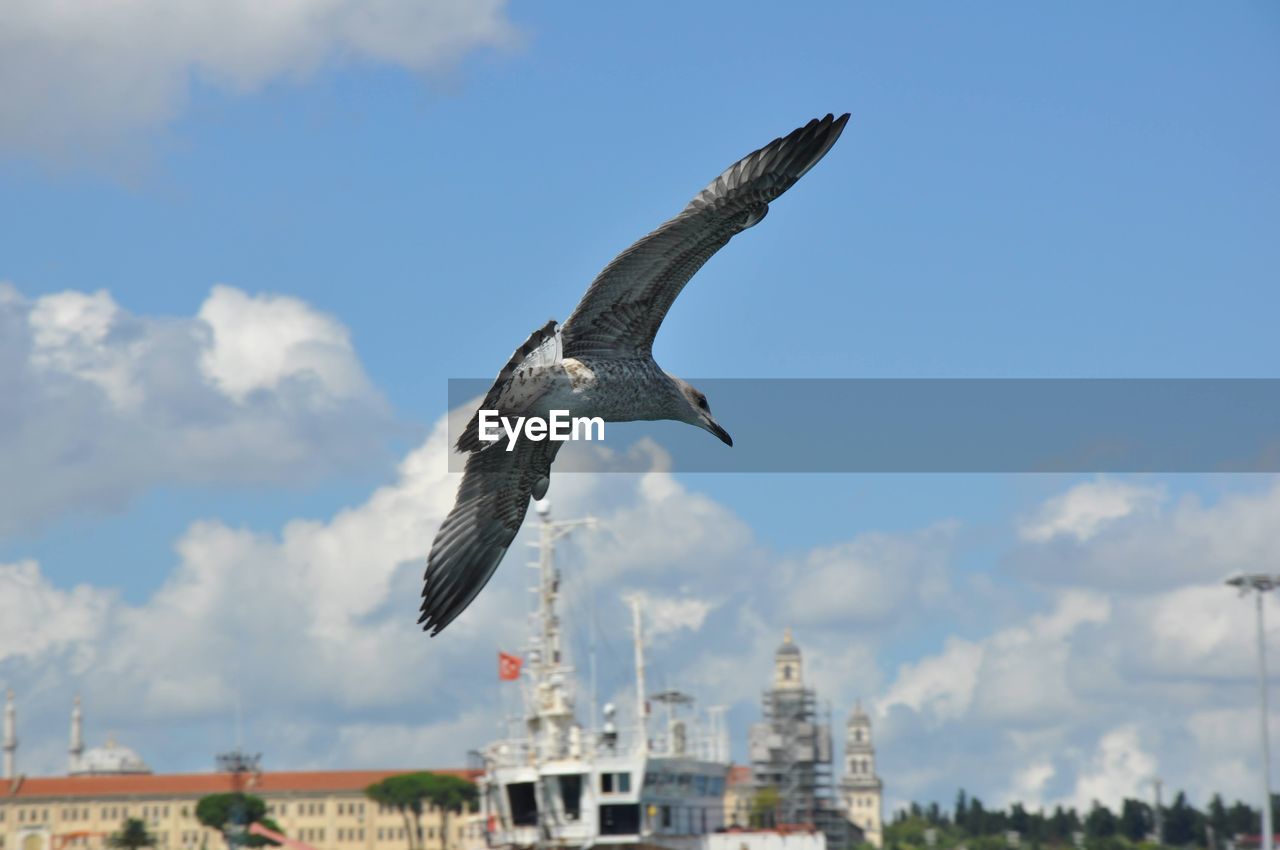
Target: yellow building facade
<point x="327" y="810"/>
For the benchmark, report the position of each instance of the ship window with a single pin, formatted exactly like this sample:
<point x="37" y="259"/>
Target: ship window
<point x="620" y="819"/>
<point x="571" y="795"/>
<point x="615" y="783"/>
<point x="700" y="785"/>
<point x="524" y="805"/>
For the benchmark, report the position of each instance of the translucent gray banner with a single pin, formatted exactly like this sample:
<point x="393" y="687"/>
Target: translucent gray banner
<point x="956" y="425"/>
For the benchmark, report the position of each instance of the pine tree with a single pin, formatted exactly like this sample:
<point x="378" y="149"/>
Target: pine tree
<point x="1180" y="822"/>
<point x="1100" y="822"/>
<point x="1135" y="819"/>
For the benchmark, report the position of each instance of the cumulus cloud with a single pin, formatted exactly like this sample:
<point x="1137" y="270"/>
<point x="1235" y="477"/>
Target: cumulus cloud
<point x="1081" y="692"/>
<point x="313" y="624"/>
<point x="37" y="618"/>
<point x="1183" y="542"/>
<point x="868" y="581"/>
<point x="1118" y="769"/>
<point x="1130" y="657"/>
<point x="99" y="404"/>
<point x="1086" y="509"/>
<point x="84" y="77"/>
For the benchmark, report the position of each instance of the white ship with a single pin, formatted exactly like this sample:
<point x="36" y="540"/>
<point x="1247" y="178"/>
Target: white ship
<point x="554" y="783"/>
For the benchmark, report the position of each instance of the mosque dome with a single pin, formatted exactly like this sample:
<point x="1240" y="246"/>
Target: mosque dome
<point x="113" y="759"/>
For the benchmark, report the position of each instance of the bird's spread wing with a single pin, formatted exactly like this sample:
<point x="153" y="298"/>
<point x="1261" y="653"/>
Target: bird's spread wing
<point x="510" y="392"/>
<point x="492" y="500"/>
<point x="626" y="303"/>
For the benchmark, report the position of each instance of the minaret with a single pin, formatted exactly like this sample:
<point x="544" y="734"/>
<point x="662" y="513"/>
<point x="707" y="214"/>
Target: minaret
<point x="10" y="735"/>
<point x="787" y="671"/>
<point x="77" y="736"/>
<point x="863" y="790"/>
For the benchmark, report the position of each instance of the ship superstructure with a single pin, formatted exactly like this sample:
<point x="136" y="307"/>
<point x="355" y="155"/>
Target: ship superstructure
<point x="554" y="783"/>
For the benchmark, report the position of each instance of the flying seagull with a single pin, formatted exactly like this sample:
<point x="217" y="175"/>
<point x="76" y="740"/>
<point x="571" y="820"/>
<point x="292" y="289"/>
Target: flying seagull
<point x="600" y="363"/>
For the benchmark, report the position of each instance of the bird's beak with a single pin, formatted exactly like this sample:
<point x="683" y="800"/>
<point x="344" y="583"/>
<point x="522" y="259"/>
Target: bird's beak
<point x="715" y="428"/>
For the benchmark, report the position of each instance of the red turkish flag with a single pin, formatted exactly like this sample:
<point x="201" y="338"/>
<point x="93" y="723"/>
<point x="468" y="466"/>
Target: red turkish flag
<point x="509" y="667"/>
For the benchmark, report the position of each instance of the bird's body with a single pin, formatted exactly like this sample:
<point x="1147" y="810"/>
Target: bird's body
<point x="599" y="363"/>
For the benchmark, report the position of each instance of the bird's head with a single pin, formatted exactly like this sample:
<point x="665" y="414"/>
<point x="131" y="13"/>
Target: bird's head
<point x="696" y="411"/>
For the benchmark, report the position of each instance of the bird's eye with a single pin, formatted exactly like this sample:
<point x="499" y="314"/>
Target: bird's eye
<point x="702" y="402"/>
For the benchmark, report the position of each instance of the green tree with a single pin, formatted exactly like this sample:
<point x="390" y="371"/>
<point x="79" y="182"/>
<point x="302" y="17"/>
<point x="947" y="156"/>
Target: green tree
<point x="405" y="794"/>
<point x="1180" y="822"/>
<point x="962" y="809"/>
<point x="1216" y="822"/>
<point x="764" y="806"/>
<point x="1135" y="820"/>
<point x="232" y="813"/>
<point x="1100" y="822"/>
<point x="450" y="795"/>
<point x="1019" y="820"/>
<point x="976" y="823"/>
<point x="1060" y="827"/>
<point x="1242" y="819"/>
<point x="133" y="835"/>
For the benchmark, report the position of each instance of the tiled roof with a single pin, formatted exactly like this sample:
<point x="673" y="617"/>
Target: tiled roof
<point x="193" y="784"/>
<point x="739" y="774"/>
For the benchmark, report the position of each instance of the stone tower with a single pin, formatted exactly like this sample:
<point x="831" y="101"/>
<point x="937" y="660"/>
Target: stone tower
<point x="860" y="786"/>
<point x="791" y="753"/>
<point x="788" y="671"/>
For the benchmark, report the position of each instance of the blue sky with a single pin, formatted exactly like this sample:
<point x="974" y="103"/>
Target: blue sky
<point x="1087" y="191"/>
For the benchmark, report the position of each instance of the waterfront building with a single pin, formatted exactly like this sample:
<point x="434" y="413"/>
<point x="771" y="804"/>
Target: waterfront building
<point x="326" y="809"/>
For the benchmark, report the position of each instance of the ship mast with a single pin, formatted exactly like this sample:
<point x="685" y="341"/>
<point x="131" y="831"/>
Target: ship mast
<point x="642" y="702"/>
<point x="553" y="726"/>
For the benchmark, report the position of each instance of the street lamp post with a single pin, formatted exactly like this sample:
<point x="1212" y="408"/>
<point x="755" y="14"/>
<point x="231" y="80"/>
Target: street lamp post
<point x="1261" y="583"/>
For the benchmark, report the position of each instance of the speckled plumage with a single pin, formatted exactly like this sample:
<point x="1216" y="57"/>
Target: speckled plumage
<point x="600" y="363"/>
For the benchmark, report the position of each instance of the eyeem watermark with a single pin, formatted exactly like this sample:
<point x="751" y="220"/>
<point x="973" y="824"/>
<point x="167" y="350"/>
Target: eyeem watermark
<point x="559" y="427"/>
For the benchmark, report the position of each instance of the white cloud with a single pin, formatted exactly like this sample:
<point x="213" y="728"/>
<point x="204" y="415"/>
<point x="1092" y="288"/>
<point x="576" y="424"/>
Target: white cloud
<point x="261" y="341"/>
<point x="1086" y="509"/>
<point x="1119" y="768"/>
<point x="83" y="77"/>
<point x="315" y="623"/>
<point x="1080" y="692"/>
<point x="939" y="686"/>
<point x="37" y="618"/>
<point x="668" y="615"/>
<point x="99" y="404"/>
<point x="871" y="580"/>
<point x="1128" y="656"/>
<point x="1184" y="542"/>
